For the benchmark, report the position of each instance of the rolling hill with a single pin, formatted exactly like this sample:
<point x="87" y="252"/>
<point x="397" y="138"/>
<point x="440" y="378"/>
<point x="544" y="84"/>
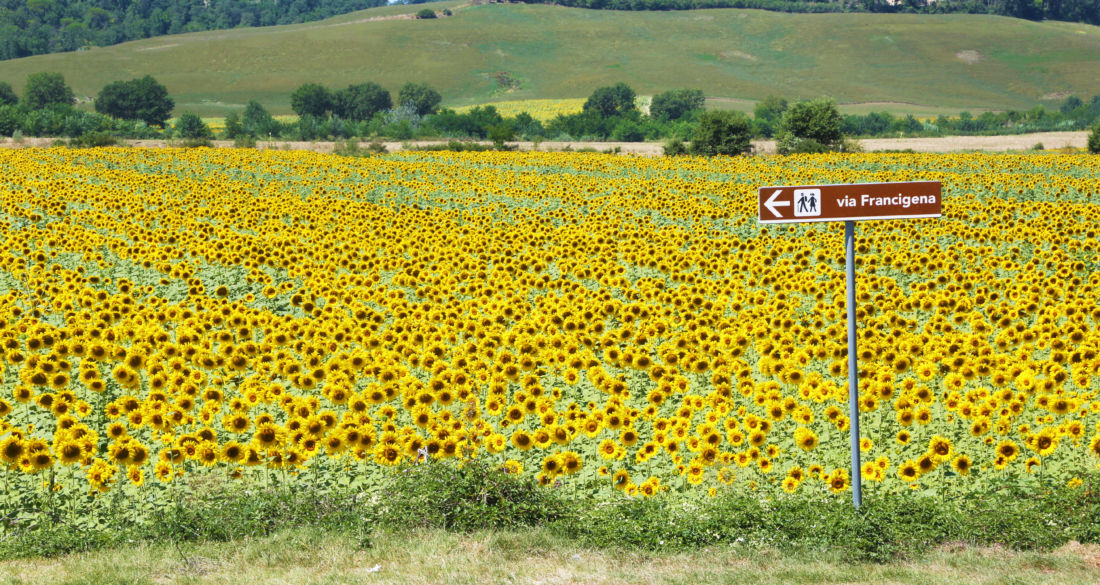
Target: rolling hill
<point x="493" y="52"/>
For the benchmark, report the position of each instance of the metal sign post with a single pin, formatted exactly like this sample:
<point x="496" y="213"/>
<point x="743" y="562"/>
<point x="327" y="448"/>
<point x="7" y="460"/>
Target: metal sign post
<point x="853" y="367"/>
<point x="850" y="203"/>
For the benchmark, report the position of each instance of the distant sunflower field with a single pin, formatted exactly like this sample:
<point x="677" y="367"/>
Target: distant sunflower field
<point x="597" y="323"/>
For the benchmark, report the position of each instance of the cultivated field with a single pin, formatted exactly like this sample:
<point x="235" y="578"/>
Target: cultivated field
<point x="598" y="323"/>
<point x="921" y="64"/>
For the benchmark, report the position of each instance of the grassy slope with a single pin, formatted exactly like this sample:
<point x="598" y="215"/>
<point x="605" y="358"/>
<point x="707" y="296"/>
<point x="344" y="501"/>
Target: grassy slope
<point x="557" y="52"/>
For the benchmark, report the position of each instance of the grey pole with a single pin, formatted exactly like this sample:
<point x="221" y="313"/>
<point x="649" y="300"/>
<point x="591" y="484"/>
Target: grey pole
<point x="853" y="367"/>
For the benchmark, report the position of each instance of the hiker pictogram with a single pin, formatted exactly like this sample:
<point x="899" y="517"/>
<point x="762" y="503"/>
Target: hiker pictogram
<point x="807" y="202"/>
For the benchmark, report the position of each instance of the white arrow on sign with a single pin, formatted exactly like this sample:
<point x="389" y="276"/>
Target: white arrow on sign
<point x="771" y="203"/>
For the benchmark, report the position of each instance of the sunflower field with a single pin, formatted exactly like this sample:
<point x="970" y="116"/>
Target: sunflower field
<point x="542" y="110"/>
<point x="598" y="323"/>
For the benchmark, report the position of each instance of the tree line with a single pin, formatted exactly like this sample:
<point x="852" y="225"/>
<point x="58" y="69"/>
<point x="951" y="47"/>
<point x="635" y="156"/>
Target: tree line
<point x="142" y="108"/>
<point x="34" y="27"/>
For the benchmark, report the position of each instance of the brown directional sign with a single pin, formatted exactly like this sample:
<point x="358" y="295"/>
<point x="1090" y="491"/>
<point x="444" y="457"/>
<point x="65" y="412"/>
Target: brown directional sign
<point x="850" y="202"/>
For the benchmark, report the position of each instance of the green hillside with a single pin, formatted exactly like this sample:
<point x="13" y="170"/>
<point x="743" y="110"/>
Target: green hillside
<point x="491" y="52"/>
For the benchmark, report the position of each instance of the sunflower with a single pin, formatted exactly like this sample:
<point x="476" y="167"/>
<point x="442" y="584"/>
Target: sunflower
<point x="804" y="438"/>
<point x="552" y="465"/>
<point x="940" y="447"/>
<point x="962" y="464"/>
<point x="926" y="463"/>
<point x="838" y="481"/>
<point x="1044" y="443"/>
<point x="522" y="441"/>
<point x="1007" y="449"/>
<point x="608" y="449"/>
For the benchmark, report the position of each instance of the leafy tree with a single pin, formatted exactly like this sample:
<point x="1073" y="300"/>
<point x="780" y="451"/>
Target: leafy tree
<point x="138" y="99"/>
<point x="425" y="13"/>
<point x="1072" y="103"/>
<point x="812" y="126"/>
<point x="47" y="89"/>
<point x="768" y="114"/>
<point x="527" y="126"/>
<point x="675" y="104"/>
<point x="11" y="119"/>
<point x="361" y="102"/>
<point x="7" y="95"/>
<point x="501" y="133"/>
<point x="421" y="97"/>
<point x="311" y="99"/>
<point x="485" y="117"/>
<point x="1094" y="140"/>
<point x="628" y="130"/>
<point x="233" y="127"/>
<point x="722" y="132"/>
<point x="771" y="108"/>
<point x="611" y="101"/>
<point x="191" y="127"/>
<point x="257" y="121"/>
<point x="31" y="27"/>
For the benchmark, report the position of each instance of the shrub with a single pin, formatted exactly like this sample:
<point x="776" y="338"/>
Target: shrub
<point x="191" y="127"/>
<point x="628" y="131"/>
<point x="1094" y="140"/>
<point x="425" y="13"/>
<point x="312" y="128"/>
<point x="675" y="148"/>
<point x="501" y="133"/>
<point x="93" y="140"/>
<point x="788" y="143"/>
<point x="812" y="126"/>
<point x="528" y="127"/>
<point x="352" y="148"/>
<point x="467" y="496"/>
<point x="453" y="146"/>
<point x="244" y="141"/>
<point x="257" y="121"/>
<point x="724" y="133"/>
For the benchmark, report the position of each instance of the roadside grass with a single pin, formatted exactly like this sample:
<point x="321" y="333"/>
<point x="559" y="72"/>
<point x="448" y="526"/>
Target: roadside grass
<point x="444" y="523"/>
<point x="311" y="556"/>
<point x="918" y="63"/>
